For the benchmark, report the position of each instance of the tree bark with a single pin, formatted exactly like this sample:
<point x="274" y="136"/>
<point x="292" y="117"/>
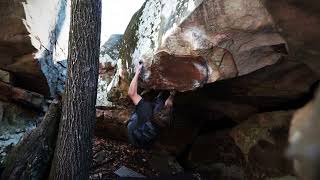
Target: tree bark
<point x="74" y="145"/>
<point x="31" y="158"/>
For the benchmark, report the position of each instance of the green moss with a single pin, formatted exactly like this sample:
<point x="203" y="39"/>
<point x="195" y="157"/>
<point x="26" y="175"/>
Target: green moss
<point x="130" y="38"/>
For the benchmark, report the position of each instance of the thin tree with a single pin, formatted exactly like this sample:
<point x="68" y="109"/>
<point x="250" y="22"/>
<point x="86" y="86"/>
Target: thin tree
<point x="73" y="150"/>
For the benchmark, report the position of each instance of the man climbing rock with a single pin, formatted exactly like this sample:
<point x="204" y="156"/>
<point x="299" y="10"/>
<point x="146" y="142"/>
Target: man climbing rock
<point x="142" y="130"/>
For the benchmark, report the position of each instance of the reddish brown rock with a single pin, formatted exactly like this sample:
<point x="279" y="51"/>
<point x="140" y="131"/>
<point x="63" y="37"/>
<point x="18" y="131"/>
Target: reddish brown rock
<point x="185" y="76"/>
<point x="11" y="93"/>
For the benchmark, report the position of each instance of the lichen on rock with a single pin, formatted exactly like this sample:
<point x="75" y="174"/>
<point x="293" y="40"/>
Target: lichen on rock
<point x="259" y="127"/>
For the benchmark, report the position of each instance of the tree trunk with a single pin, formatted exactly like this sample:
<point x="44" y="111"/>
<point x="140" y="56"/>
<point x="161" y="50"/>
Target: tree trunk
<point x="74" y="145"/>
<point x="31" y="158"/>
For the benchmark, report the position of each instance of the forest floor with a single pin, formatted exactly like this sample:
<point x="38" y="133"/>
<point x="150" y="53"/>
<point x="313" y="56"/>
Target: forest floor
<point x="109" y="155"/>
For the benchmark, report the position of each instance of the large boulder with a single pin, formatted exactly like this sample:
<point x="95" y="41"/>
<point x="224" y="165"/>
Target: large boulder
<point x="217" y="155"/>
<point x="299" y="23"/>
<point x="284" y="85"/>
<point x="33" y="44"/>
<point x="16" y="49"/>
<point x="185" y="44"/>
<point x="255" y="149"/>
<point x="304" y="146"/>
<point x="262" y="140"/>
<point x="49" y="32"/>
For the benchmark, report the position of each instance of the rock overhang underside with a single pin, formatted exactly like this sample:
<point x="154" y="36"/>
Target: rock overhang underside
<point x="187" y="43"/>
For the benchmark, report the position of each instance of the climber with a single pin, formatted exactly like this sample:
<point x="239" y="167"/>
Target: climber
<point x="142" y="130"/>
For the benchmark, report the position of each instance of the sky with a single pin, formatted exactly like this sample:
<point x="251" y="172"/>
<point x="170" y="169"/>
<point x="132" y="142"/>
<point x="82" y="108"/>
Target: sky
<point x="116" y="15"/>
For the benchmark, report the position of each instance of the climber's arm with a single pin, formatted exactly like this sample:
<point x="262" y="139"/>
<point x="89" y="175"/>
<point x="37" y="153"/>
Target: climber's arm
<point x="169" y="101"/>
<point x="133" y="88"/>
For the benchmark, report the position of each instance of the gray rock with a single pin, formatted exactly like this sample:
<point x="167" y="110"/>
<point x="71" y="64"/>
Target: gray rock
<point x="14" y="123"/>
<point x="5" y="76"/>
<point x="112" y="46"/>
<point x="126" y="172"/>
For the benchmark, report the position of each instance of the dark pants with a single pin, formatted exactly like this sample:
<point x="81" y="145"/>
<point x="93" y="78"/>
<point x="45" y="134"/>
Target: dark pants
<point x="141" y="131"/>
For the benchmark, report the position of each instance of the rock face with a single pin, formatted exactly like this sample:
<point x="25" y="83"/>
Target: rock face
<point x="200" y="41"/>
<point x="49" y="31"/>
<point x="246" y="79"/>
<point x="112" y="46"/>
<point x="236" y="125"/>
<point x="304" y="146"/>
<point x="254" y="149"/>
<point x="263" y="141"/>
<point x="28" y="43"/>
<point x="282" y="85"/>
<point x="299" y="23"/>
<point x="14" y="122"/>
<point x="9" y="93"/>
<point x="107" y="71"/>
<point x="33" y="44"/>
<point x="16" y="50"/>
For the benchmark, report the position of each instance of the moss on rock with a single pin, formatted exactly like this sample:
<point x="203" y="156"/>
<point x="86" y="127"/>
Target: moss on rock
<point x="130" y="38"/>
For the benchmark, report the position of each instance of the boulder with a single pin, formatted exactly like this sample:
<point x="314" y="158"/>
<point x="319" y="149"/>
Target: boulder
<point x="5" y="76"/>
<point x="262" y="140"/>
<point x="112" y="46"/>
<point x="199" y="41"/>
<point x="14" y="122"/>
<point x="254" y="149"/>
<point x="284" y="85"/>
<point x="32" y="156"/>
<point x="117" y="89"/>
<point x="102" y="96"/>
<point x="217" y="155"/>
<point x="49" y="31"/>
<point x="10" y="93"/>
<point x="304" y="146"/>
<point x="107" y="70"/>
<point x="299" y="23"/>
<point x="16" y="49"/>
